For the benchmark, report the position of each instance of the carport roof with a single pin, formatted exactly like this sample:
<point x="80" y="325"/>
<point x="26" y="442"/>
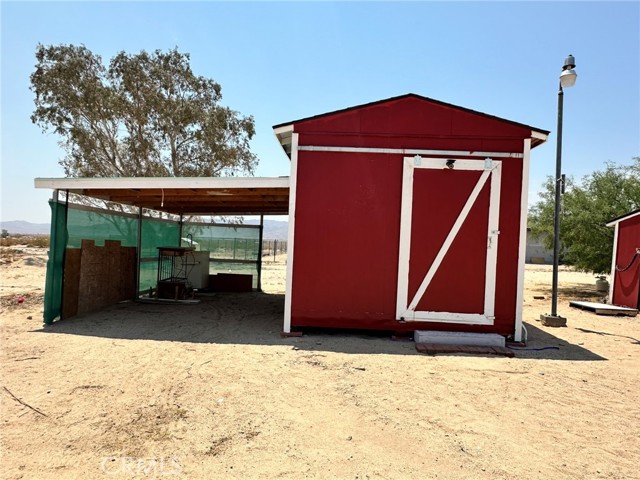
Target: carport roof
<point x="185" y="195"/>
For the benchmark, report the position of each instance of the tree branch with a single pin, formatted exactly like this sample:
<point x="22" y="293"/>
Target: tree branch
<point x="24" y="403"/>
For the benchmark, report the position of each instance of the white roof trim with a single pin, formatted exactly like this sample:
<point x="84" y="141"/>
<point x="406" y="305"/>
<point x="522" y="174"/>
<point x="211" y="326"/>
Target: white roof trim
<point x="285" y="129"/>
<point x="539" y="135"/>
<point x="622" y="219"/>
<point x="410" y="151"/>
<point x="284" y="135"/>
<point x="161" y="182"/>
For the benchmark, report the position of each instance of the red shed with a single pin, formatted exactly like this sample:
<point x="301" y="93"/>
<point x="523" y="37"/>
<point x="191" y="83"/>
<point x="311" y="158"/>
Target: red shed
<point x="407" y="214"/>
<point x="625" y="264"/>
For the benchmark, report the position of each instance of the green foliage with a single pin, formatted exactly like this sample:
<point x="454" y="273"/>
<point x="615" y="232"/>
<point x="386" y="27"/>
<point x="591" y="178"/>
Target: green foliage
<point x="146" y="114"/>
<point x="587" y="243"/>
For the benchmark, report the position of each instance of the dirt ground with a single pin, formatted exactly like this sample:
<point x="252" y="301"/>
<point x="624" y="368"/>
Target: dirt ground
<point x="211" y="391"/>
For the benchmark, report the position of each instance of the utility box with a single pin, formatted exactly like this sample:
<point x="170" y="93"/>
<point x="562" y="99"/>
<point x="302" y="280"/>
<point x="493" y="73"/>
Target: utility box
<point x="198" y="270"/>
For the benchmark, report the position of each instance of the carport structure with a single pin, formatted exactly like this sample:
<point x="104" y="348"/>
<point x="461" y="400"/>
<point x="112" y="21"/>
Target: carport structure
<point x="162" y="206"/>
<point x="184" y="196"/>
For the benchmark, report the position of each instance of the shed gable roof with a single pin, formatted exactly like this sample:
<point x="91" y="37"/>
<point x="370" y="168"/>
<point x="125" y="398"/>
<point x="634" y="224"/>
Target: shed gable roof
<point x="348" y="118"/>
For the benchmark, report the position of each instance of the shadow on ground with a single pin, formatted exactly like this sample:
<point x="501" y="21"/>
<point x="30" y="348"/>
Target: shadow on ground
<point x="543" y="345"/>
<point x="571" y="291"/>
<point x="634" y="340"/>
<point x="256" y="319"/>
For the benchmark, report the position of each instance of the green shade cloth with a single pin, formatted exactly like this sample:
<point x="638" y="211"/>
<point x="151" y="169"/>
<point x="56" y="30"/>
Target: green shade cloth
<point x="233" y="248"/>
<point x="55" y="264"/>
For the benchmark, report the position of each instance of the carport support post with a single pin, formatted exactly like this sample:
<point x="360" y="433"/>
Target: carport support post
<point x="139" y="253"/>
<point x="259" y="265"/>
<point x="66" y="241"/>
<point x="180" y="231"/>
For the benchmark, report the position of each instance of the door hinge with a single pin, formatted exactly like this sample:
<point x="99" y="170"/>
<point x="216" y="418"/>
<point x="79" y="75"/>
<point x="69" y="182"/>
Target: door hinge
<point x="494" y="233"/>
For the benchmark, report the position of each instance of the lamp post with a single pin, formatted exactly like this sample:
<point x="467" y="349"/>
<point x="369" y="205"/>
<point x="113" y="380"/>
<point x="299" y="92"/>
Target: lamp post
<point x="567" y="79"/>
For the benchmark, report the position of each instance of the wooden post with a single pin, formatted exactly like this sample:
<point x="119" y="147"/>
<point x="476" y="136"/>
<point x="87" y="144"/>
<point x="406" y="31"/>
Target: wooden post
<point x="259" y="264"/>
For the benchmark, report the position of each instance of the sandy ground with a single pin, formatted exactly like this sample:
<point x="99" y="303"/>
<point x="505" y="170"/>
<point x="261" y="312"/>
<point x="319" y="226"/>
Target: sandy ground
<point x="211" y="391"/>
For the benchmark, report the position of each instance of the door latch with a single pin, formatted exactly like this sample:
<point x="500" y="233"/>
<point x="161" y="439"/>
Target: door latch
<point x="494" y="233"/>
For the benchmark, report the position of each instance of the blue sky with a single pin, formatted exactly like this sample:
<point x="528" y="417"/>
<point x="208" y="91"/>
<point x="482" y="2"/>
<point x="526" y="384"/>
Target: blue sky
<point x="282" y="61"/>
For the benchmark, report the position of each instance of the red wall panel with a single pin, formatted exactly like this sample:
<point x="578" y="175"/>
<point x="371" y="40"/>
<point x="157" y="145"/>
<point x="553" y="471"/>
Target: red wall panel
<point x="626" y="291"/>
<point x="508" y="242"/>
<point x="346" y="237"/>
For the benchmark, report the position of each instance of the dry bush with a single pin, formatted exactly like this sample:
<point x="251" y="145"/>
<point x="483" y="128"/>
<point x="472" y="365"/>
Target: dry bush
<point x="41" y="241"/>
<point x="8" y="255"/>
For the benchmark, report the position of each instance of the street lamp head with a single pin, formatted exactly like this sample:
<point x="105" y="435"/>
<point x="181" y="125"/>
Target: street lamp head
<point x="568" y="78"/>
<point x="568" y="75"/>
<point x="569" y="63"/>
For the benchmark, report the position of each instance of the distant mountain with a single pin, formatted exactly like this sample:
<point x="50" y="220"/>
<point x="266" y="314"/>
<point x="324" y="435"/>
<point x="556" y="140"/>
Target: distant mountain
<point x="28" y="228"/>
<point x="273" y="229"/>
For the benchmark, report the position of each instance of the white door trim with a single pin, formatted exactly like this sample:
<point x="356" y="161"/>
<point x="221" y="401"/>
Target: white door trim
<point x="493" y="235"/>
<point x="405" y="310"/>
<point x="406" y="205"/>
<point x="449" y="317"/>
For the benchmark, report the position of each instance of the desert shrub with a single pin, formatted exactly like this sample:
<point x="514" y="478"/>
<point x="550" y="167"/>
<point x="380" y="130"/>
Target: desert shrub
<point x="41" y="241"/>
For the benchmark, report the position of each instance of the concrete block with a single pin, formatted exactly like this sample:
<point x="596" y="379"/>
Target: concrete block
<point x="459" y="338"/>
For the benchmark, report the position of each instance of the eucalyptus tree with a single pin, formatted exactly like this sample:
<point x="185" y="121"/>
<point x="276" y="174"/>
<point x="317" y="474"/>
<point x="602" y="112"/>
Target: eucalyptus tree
<point x="142" y="115"/>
